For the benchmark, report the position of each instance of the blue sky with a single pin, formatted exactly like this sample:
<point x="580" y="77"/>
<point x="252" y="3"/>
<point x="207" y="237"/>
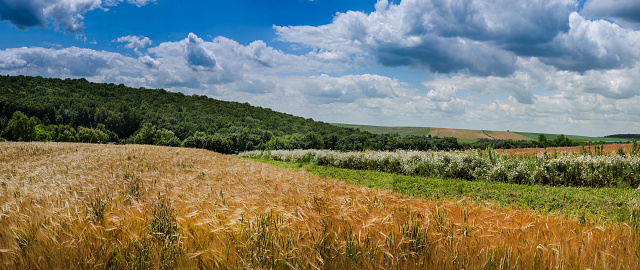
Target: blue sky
<point x="556" y="66"/>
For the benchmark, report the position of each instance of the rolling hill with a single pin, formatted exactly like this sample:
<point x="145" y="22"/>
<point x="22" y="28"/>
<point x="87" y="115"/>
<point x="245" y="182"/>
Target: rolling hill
<point x="76" y="110"/>
<point x="470" y="135"/>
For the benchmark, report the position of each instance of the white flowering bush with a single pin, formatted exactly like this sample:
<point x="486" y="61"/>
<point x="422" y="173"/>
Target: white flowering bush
<point x="568" y="170"/>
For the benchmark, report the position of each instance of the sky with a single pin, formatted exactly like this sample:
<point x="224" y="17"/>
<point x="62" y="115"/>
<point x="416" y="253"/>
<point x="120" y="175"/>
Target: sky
<point x="552" y="66"/>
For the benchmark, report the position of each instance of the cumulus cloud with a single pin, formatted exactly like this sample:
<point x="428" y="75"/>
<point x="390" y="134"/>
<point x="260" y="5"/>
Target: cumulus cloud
<point x="518" y="85"/>
<point x="189" y="63"/>
<point x="149" y="62"/>
<point x="480" y="38"/>
<point x="322" y="89"/>
<point x="593" y="45"/>
<point x="140" y="3"/>
<point x="587" y="114"/>
<point x="348" y="88"/>
<point x="66" y="62"/>
<point x="198" y="55"/>
<point x="533" y="75"/>
<point x="224" y="60"/>
<point x="66" y="14"/>
<point x="22" y="13"/>
<point x="444" y="93"/>
<point x="134" y="41"/>
<point x="477" y="37"/>
<point x="624" y="12"/>
<point x="537" y="93"/>
<point x="613" y="84"/>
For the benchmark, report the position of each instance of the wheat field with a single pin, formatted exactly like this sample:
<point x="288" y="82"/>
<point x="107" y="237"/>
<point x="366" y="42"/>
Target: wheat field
<point x="84" y="206"/>
<point x="458" y="133"/>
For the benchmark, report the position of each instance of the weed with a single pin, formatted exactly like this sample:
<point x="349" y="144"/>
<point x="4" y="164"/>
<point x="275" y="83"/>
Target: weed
<point x="268" y="246"/>
<point x="164" y="228"/>
<point x="97" y="207"/>
<point x="25" y="235"/>
<point x="134" y="254"/>
<point x="134" y="186"/>
<point x="414" y="236"/>
<point x="163" y="218"/>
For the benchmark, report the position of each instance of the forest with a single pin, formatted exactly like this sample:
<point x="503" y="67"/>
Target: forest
<point x="76" y="110"/>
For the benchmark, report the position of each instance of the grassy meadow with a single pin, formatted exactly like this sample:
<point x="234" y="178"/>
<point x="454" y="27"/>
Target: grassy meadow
<point x="82" y="206"/>
<point x="401" y="131"/>
<point x="611" y="205"/>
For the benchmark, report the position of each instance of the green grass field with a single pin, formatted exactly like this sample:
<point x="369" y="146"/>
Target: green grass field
<point x="607" y="204"/>
<point x="402" y="131"/>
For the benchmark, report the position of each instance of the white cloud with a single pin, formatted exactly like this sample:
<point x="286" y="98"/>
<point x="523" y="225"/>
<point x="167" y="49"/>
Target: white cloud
<point x="138" y="42"/>
<point x="476" y="37"/>
<point x="623" y="12"/>
<point x="541" y="97"/>
<point x="66" y="14"/>
<point x="66" y="62"/>
<point x="148" y="61"/>
<point x="594" y="45"/>
<point x="189" y="63"/>
<point x="198" y="55"/>
<point x="546" y="99"/>
<point x="140" y="3"/>
<point x="518" y="85"/>
<point x="479" y="38"/>
<point x="534" y="75"/>
<point x="444" y="93"/>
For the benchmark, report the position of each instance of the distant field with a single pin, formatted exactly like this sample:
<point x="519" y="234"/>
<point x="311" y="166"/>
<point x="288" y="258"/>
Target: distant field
<point x="506" y="135"/>
<point x="402" y="131"/>
<point x="534" y="136"/>
<point x="470" y="135"/>
<point x="458" y="133"/>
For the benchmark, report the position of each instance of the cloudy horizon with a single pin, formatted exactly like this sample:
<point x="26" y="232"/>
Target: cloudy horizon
<point x="557" y="66"/>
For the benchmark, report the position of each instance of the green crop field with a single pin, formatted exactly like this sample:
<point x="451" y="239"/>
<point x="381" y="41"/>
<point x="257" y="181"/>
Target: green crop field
<point x="401" y="131"/>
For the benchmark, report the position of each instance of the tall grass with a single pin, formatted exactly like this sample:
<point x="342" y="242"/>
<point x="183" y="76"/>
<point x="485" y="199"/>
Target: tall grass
<point x="71" y="206"/>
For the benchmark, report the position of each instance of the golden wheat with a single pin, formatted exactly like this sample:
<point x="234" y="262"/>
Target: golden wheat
<point x="81" y="206"/>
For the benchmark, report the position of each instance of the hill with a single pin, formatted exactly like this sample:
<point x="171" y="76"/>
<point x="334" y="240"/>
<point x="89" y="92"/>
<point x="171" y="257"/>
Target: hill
<point x="124" y="110"/>
<point x="398" y="131"/>
<point x="471" y="135"/>
<point x="534" y="136"/>
<point x="48" y="109"/>
<point x="75" y="110"/>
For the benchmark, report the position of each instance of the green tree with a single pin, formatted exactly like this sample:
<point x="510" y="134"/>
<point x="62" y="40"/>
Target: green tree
<point x="146" y="135"/>
<point x="89" y="135"/>
<point x="543" y="140"/>
<point x="166" y="137"/>
<point x="42" y="134"/>
<point x="312" y="140"/>
<point x="21" y="128"/>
